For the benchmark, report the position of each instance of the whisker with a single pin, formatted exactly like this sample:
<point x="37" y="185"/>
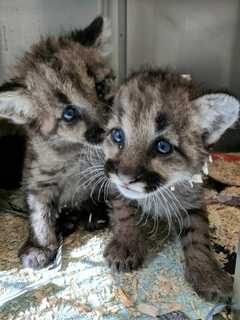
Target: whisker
<point x="175" y="210"/>
<point x="142" y="215"/>
<point x="79" y="189"/>
<point x="90" y="179"/>
<point x="183" y="210"/>
<point x="106" y="190"/>
<point x="86" y="183"/>
<point x="155" y="217"/>
<point x="147" y="210"/>
<point x="161" y="198"/>
<point x="103" y="182"/>
<point x="97" y="182"/>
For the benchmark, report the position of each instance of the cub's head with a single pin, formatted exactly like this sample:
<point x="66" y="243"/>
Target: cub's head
<point x="59" y="89"/>
<point x="160" y="130"/>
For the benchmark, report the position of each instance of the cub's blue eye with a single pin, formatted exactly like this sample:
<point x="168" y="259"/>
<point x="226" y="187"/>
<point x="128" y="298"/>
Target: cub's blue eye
<point x="164" y="147"/>
<point x="117" y="136"/>
<point x="70" y="113"/>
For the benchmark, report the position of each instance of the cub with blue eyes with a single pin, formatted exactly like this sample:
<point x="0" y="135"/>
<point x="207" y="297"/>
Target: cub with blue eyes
<point x="156" y="143"/>
<point x="59" y="94"/>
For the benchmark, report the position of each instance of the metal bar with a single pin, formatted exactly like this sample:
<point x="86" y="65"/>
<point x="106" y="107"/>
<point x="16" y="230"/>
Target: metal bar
<point x="115" y="10"/>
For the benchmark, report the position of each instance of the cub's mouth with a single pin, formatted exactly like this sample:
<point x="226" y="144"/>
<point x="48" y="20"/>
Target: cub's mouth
<point x="129" y="189"/>
<point x="137" y="183"/>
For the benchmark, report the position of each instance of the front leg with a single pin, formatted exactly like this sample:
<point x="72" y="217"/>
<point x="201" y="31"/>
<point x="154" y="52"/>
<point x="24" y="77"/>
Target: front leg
<point x="202" y="269"/>
<point x="41" y="246"/>
<point x="127" y="248"/>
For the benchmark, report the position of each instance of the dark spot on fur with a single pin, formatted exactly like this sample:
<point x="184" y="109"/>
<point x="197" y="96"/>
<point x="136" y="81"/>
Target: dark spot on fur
<point x="152" y="179"/>
<point x="207" y="246"/>
<point x="94" y="135"/>
<point x="11" y="86"/>
<point x="198" y="245"/>
<point x="46" y="50"/>
<point x="111" y="166"/>
<point x="62" y="97"/>
<point x="119" y="110"/>
<point x="169" y="80"/>
<point x="51" y="172"/>
<point x="90" y="72"/>
<point x="206" y="235"/>
<point x="46" y="184"/>
<point x="161" y="121"/>
<point x="186" y="231"/>
<point x="199" y="213"/>
<point x="56" y="64"/>
<point x="100" y="89"/>
<point x="182" y="153"/>
<point x="120" y="113"/>
<point x="109" y="103"/>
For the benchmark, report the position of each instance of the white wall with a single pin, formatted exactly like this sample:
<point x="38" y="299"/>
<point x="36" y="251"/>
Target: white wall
<point x="197" y="37"/>
<point x="22" y="22"/>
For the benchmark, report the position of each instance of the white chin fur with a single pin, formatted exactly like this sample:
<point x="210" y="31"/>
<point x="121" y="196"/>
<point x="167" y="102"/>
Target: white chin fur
<point x="131" y="194"/>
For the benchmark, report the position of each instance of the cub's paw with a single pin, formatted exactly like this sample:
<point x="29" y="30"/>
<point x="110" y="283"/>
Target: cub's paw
<point x="36" y="258"/>
<point x="213" y="285"/>
<point x="123" y="258"/>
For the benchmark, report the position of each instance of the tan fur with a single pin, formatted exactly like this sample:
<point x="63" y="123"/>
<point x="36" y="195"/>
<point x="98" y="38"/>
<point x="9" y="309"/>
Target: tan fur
<point x="146" y="100"/>
<point x="155" y="106"/>
<point x="56" y="73"/>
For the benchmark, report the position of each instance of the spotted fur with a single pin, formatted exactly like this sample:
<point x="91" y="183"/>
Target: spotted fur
<point x="55" y="73"/>
<point x="152" y="106"/>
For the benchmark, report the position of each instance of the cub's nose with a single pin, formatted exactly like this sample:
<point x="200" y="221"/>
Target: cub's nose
<point x="94" y="135"/>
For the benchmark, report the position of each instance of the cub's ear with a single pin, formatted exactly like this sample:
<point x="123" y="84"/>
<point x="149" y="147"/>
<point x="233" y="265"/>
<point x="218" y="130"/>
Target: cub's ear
<point x="215" y="114"/>
<point x="96" y="34"/>
<point x="15" y="106"/>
